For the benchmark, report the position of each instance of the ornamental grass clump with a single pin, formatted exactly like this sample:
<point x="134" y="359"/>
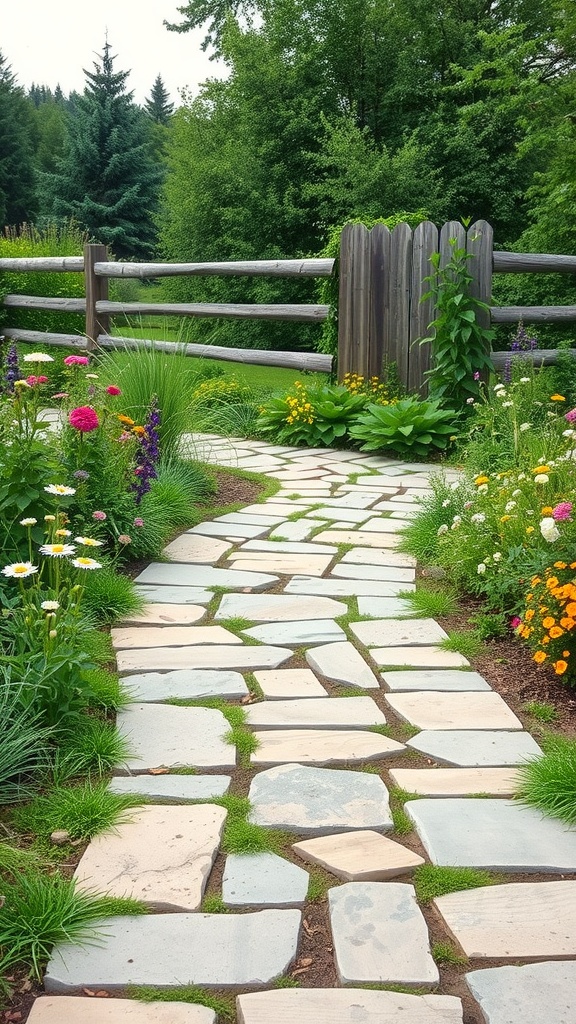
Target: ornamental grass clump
<point x="549" y="782"/>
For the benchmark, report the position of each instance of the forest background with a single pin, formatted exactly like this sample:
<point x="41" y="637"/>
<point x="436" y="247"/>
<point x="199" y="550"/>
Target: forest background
<point x="360" y="109"/>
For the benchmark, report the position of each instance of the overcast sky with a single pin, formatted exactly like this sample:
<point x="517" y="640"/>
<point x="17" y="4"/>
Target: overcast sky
<point x="50" y="41"/>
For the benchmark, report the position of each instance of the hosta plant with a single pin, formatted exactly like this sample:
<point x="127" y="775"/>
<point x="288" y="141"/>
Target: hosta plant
<point x="408" y="427"/>
<point x="317" y="414"/>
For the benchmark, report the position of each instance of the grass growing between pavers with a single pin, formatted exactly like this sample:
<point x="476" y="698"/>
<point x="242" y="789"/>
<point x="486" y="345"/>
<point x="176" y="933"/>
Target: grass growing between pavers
<point x="319" y="883"/>
<point x="402" y="823"/>
<point x="214" y="904"/>
<point x="93" y="748"/>
<point x="466" y="642"/>
<point x="549" y="782"/>
<point x="82" y="811"/>
<point x="430" y="602"/>
<point x="431" y="881"/>
<point x="444" y="953"/>
<point x="244" y="836"/>
<point x="223" y="1005"/>
<point x="239" y="734"/>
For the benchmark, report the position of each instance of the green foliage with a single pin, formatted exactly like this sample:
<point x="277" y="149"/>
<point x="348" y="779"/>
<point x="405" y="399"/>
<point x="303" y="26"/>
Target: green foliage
<point x="444" y="953"/>
<point x="549" y="782"/>
<point x="93" y="747"/>
<point x="313" y="415"/>
<point x="431" y="881"/>
<point x="463" y="641"/>
<point x="157" y="105"/>
<point x="408" y="427"/>
<point x="541" y="711"/>
<point x="109" y="595"/>
<point x="18" y="200"/>
<point x="460" y="345"/>
<point x="223" y="1006"/>
<point x="243" y="836"/>
<point x="83" y="811"/>
<point x="431" y="601"/>
<point x="25" y="740"/>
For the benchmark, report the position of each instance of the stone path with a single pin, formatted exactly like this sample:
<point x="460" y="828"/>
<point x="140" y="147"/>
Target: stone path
<point x="291" y="609"/>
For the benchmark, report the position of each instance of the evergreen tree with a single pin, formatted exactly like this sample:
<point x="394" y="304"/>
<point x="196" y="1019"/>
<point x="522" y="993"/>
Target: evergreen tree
<point x="18" y="201"/>
<point x="158" y="105"/>
<point x="107" y="180"/>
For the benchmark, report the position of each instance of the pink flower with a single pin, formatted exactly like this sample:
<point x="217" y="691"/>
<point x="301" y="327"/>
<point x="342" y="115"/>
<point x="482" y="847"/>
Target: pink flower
<point x="76" y="361"/>
<point x="84" y="419"/>
<point x="138" y="521"/>
<point x="32" y="380"/>
<point x="570" y="416"/>
<point x="125" y="436"/>
<point x="99" y="516"/>
<point x="477" y="375"/>
<point x="515" y="622"/>
<point x="113" y="390"/>
<point x="562" y="510"/>
<point x="123" y="538"/>
<point x="61" y="394"/>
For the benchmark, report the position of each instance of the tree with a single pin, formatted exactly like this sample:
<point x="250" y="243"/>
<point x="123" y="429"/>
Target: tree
<point x="158" y="105"/>
<point x="18" y="199"/>
<point x="107" y="180"/>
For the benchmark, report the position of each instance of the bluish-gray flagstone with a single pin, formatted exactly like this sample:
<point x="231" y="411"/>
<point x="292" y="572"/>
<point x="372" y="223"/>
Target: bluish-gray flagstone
<point x="532" y="994"/>
<point x="185" y="684"/>
<point x="470" y="749"/>
<point x="177" y="575"/>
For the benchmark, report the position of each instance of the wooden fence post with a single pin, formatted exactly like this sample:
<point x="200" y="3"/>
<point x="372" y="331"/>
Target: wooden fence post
<point x="354" y="302"/>
<point x="380" y="240"/>
<point x="479" y="242"/>
<point x="424" y="243"/>
<point x="96" y="289"/>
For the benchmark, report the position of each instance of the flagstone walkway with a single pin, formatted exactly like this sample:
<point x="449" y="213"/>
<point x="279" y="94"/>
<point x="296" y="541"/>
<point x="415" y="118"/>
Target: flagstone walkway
<point x="290" y="608"/>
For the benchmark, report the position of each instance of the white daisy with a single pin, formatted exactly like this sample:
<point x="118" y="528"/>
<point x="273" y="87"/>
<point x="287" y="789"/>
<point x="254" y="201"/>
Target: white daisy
<point x="57" y="550"/>
<point x="63" y="533"/>
<point x="60" y="489"/>
<point x="86" y="563"/>
<point x="88" y="542"/>
<point x="37" y="357"/>
<point x="28" y="522"/>
<point x="20" y="569"/>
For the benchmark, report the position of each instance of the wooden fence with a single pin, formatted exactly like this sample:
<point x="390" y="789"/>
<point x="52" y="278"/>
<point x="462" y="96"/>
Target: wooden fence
<point x="381" y="315"/>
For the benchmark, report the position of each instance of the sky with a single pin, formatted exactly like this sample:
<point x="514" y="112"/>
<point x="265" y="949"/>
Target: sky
<point x="51" y="41"/>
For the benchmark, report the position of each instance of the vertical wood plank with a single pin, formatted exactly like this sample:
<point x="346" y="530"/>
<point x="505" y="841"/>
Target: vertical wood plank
<point x="453" y="229"/>
<point x="96" y="289"/>
<point x="380" y="240"/>
<point x="480" y="242"/>
<point x="397" y="341"/>
<point x="425" y="242"/>
<point x="354" y="300"/>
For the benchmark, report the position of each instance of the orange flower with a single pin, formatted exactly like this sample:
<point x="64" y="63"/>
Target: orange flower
<point x="552" y="582"/>
<point x="539" y="657"/>
<point x="529" y="597"/>
<point x="570" y="609"/>
<point x="547" y="510"/>
<point x="565" y="654"/>
<point x="541" y="469"/>
<point x="573" y="565"/>
<point x="559" y="565"/>
<point x="529" y="615"/>
<point x="555" y="632"/>
<point x="548" y="622"/>
<point x="559" y="667"/>
<point x="545" y="640"/>
<point x="139" y="431"/>
<point x="525" y="632"/>
<point x="126" y="420"/>
<point x="567" y="623"/>
<point x="542" y="610"/>
<point x="535" y="580"/>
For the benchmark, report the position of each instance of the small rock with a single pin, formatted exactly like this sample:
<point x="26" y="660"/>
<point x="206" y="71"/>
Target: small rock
<point x="60" y="837"/>
<point x="434" y="572"/>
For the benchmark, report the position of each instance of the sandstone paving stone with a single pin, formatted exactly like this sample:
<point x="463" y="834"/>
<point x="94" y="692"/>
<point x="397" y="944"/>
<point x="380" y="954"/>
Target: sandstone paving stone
<point x="521" y="920"/>
<point x="162" y="573"/>
<point x="384" y="607"/>
<point x="283" y="564"/>
<point x="76" y="1009"/>
<point x="370" y="556"/>
<point x="171" y="950"/>
<point x="139" y="637"/>
<point x="451" y="782"/>
<point x="270" y="508"/>
<point x="248" y="519"/>
<point x="162" y="856"/>
<point x="263" y="879"/>
<point x="343" y="712"/>
<point x="530" y="994"/>
<point x="363" y="856"/>
<point x="165" y="659"/>
<point x="358" y="499"/>
<point x="382" y="525"/>
<point x="196" y="549"/>
<point x="341" y="513"/>
<point x="344" y="588"/>
<point x="404" y="515"/>
<point x="476" y="748"/>
<point x="417" y="657"/>
<point x="165" y="735"/>
<point x="185" y="685"/>
<point x="362" y="538"/>
<point x="433" y="710"/>
<point x="501" y="835"/>
<point x="443" y="680"/>
<point x="311" y="801"/>
<point x="318" y="631"/>
<point x="393" y="573"/>
<point x="346" y="1006"/>
<point x="166" y="615"/>
<point x="398" y="632"/>
<point x="380" y="935"/>
<point x="322" y="746"/>
<point x="289" y="547"/>
<point x="295" y="530"/>
<point x="172" y="789"/>
<point x="175" y="595"/>
<point x="342" y="663"/>
<point x="289" y="684"/>
<point x="278" y="608"/>
<point x="232" y="531"/>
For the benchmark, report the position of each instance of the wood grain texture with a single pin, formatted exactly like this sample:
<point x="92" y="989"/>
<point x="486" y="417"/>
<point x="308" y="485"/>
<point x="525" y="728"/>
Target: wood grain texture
<point x="298" y="313"/>
<point x="354" y="300"/>
<point x="400" y="281"/>
<point x="532" y="262"/>
<point x="425" y="241"/>
<point x="313" y="361"/>
<point x="380" y="242"/>
<point x="533" y="314"/>
<point x="480" y="243"/>
<point x="45" y="337"/>
<point x="55" y="264"/>
<point x="251" y="268"/>
<point x="96" y="291"/>
<point x="63" y="305"/>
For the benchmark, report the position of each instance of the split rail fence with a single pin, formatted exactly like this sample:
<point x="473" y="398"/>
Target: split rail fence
<point x="381" y="314"/>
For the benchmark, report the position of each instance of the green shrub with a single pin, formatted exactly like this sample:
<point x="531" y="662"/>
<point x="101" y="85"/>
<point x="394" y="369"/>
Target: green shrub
<point x="407" y="427"/>
<point x="313" y="414"/>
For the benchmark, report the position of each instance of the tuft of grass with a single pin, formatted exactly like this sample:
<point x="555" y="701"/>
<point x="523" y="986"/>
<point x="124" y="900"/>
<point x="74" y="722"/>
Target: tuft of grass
<point x="549" y="782"/>
<point x="106" y="690"/>
<point x="223" y="1006"/>
<point x="431" y="881"/>
<point x="540" y="710"/>
<point x="213" y="904"/>
<point x="24" y="745"/>
<point x="244" y="836"/>
<point x="319" y="884"/>
<point x="286" y="981"/>
<point x="253" y="685"/>
<point x="83" y="811"/>
<point x="98" y="646"/>
<point x="431" y="602"/>
<point x="94" y="747"/>
<point x="375" y="986"/>
<point x="236" y="624"/>
<point x="466" y="642"/>
<point x="444" y="953"/>
<point x="110" y="596"/>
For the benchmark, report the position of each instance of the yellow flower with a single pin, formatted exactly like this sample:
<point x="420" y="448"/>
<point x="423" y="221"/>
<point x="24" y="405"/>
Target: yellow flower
<point x="541" y="469"/>
<point x="504" y="519"/>
<point x="557" y="398"/>
<point x="481" y="480"/>
<point x="559" y="667"/>
<point x="548" y="622"/>
<point x="559" y="565"/>
<point x="547" y="510"/>
<point x="540" y="656"/>
<point x="555" y="632"/>
<point x="529" y="529"/>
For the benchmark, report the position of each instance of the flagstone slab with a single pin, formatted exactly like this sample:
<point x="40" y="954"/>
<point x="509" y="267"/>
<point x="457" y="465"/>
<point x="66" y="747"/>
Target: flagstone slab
<point x="530" y="994"/>
<point x="342" y="663"/>
<point x="382" y="525"/>
<point x="363" y="856"/>
<point x="311" y="801"/>
<point x="433" y="710"/>
<point x="345" y="1006"/>
<point x="171" y="789"/>
<point x="344" y="588"/>
<point x="164" y="574"/>
<point x="476" y="748"/>
<point x="520" y="920"/>
<point x="196" y="549"/>
<point x="322" y="746"/>
<point x="278" y="608"/>
<point x="417" y="657"/>
<point x="501" y="835"/>
<point x="370" y="556"/>
<point x="398" y="632"/>
<point x="139" y="637"/>
<point x="358" y="499"/>
<point x="341" y="513"/>
<point x="174" y="595"/>
<point x="185" y="684"/>
<point x="380" y="935"/>
<point x="171" y="950"/>
<point x="166" y="615"/>
<point x="163" y="735"/>
<point x="263" y="879"/>
<point x="395" y="574"/>
<point x="162" y="856"/>
<point x="76" y="1009"/>
<point x="451" y="782"/>
<point x="318" y="631"/>
<point x="247" y="519"/>
<point x="384" y="607"/>
<point x="343" y="712"/>
<point x="362" y="538"/>
<point x="295" y="530"/>
<point x="165" y="659"/>
<point x="276" y="547"/>
<point x="232" y="531"/>
<point x="446" y="680"/>
<point x="270" y="508"/>
<point x="289" y="684"/>
<point x="284" y="565"/>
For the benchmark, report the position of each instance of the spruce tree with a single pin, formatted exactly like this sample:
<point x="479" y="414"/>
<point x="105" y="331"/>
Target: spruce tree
<point x="158" y="105"/>
<point x="18" y="199"/>
<point x="108" y="180"/>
